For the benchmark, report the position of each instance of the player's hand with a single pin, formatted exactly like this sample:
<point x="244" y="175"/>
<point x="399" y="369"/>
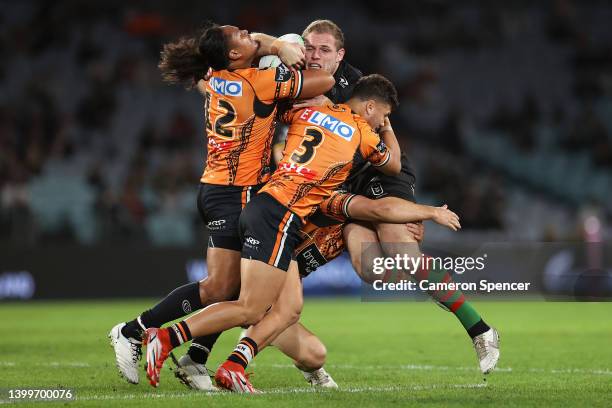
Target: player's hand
<point x="316" y="101"/>
<point x="386" y="125"/>
<point x="208" y="74"/>
<point x="292" y="54"/>
<point x="201" y="84"/>
<point x="417" y="229"/>
<point x="446" y="218"/>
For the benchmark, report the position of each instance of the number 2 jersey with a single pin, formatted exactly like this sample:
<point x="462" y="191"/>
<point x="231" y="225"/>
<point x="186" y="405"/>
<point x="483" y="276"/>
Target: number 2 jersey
<point x="322" y="145"/>
<point x="240" y="110"/>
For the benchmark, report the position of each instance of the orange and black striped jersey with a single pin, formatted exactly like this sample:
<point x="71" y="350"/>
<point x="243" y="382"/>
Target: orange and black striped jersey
<point x="322" y="238"/>
<point x="240" y="110"/>
<point x="322" y="145"/>
<point x="332" y="211"/>
<point x="318" y="247"/>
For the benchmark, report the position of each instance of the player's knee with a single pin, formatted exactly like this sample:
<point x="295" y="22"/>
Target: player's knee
<point x="251" y="314"/>
<point x="291" y="316"/>
<point x="356" y="262"/>
<point x="318" y="354"/>
<point x="315" y="356"/>
<point x="252" y="317"/>
<point x="367" y="274"/>
<point x="407" y="245"/>
<point x="391" y="248"/>
<point x="394" y="235"/>
<point x="218" y="290"/>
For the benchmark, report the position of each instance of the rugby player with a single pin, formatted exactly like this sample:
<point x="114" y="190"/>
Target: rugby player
<point x="325" y="50"/>
<point x="324" y="43"/>
<point x="320" y="244"/>
<point x="320" y="240"/>
<point x="241" y="104"/>
<point x="322" y="145"/>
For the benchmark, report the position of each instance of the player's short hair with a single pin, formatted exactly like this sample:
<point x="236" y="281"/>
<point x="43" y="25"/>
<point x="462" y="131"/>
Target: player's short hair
<point x="326" y="27"/>
<point x="376" y="86"/>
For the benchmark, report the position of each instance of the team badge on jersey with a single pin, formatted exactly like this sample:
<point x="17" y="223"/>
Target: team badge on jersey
<point x="328" y="122"/>
<point x="381" y="147"/>
<point x="225" y="87"/>
<point x="377" y="189"/>
<point x="283" y="74"/>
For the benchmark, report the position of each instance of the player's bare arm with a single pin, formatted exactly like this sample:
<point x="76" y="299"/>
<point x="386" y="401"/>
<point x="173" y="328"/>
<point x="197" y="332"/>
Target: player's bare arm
<point x="316" y="83"/>
<point x="394" y="165"/>
<point x="291" y="54"/>
<point x="398" y="211"/>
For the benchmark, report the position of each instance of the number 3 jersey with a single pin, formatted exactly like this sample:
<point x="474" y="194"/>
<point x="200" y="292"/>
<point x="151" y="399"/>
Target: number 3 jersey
<point x="322" y="145"/>
<point x="240" y="109"/>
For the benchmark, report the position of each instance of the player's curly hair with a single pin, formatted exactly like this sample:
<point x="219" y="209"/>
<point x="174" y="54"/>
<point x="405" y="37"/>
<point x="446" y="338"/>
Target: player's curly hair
<point x="376" y="86"/>
<point x="187" y="60"/>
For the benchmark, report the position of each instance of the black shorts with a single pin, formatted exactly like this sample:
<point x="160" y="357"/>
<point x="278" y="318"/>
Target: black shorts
<point x="220" y="208"/>
<point x="375" y="185"/>
<point x="270" y="232"/>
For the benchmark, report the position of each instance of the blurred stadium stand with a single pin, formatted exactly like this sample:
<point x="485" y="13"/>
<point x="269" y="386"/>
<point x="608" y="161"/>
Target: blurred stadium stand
<point x="506" y="111"/>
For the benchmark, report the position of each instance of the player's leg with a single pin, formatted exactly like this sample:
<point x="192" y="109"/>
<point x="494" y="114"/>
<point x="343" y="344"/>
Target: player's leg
<point x="270" y="234"/>
<point x="318" y="246"/>
<point x="305" y="349"/>
<point x="308" y="353"/>
<point x="220" y="208"/>
<point x="397" y="239"/>
<point x="362" y="244"/>
<point x="126" y="338"/>
<point x="260" y="287"/>
<point x="284" y="312"/>
<point x="222" y="283"/>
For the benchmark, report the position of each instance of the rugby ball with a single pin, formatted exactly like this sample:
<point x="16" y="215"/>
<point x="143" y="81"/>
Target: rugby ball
<point x="272" y="61"/>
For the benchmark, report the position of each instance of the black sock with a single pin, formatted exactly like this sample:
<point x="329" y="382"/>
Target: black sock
<point x="201" y="346"/>
<point x="180" y="302"/>
<point x="133" y="329"/>
<point x="179" y="333"/>
<point x="478" y="328"/>
<point x="244" y="352"/>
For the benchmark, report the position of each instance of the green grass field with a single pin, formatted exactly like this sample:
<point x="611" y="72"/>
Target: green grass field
<point x="379" y="353"/>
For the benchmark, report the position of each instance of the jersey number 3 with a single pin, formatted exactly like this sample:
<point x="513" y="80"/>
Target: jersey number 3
<point x="304" y="153"/>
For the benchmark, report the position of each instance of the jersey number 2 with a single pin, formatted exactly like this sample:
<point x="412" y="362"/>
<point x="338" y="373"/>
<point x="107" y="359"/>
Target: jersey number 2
<point x="221" y="122"/>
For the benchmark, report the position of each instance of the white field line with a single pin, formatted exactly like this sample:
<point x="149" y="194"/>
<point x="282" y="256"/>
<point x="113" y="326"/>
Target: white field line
<point x="280" y="391"/>
<point x="408" y="367"/>
<point x="64" y="364"/>
<point x="419" y="367"/>
<point x="58" y="364"/>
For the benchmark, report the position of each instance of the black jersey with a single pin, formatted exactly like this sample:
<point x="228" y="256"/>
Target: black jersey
<point x="346" y="77"/>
